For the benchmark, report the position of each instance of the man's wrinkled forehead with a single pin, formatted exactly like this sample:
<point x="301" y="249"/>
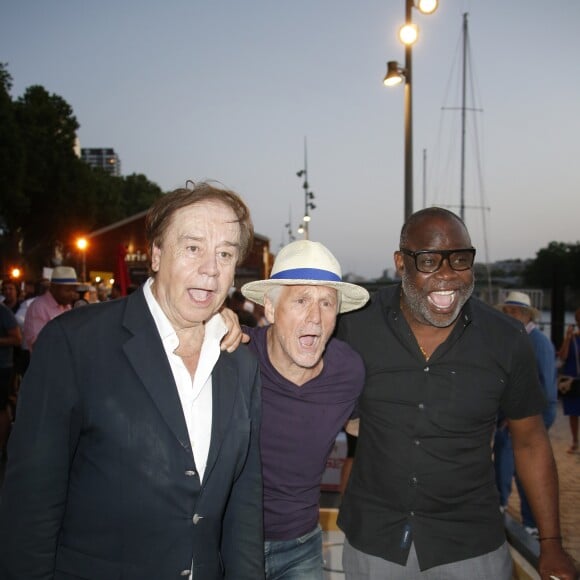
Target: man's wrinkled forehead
<point x="308" y="289"/>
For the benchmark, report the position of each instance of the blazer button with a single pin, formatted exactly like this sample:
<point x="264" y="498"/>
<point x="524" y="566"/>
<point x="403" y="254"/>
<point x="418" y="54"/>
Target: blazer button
<point x="195" y="519"/>
<point x="190" y="473"/>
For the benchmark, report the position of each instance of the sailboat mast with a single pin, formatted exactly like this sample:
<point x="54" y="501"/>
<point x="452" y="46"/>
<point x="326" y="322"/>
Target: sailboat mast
<point x="463" y="108"/>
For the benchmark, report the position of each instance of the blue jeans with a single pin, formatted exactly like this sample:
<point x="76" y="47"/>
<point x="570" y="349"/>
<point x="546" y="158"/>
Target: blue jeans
<point x="505" y="467"/>
<point x="299" y="559"/>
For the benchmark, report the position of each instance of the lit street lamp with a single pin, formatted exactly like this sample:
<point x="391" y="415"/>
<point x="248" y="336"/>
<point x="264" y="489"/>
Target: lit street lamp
<point x="395" y="75"/>
<point x="82" y="245"/>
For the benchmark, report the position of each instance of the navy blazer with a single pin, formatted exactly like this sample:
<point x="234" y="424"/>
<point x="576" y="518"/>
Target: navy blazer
<point x="101" y="482"/>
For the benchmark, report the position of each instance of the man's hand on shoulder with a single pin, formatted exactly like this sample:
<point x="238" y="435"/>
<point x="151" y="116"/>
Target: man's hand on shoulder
<point x="352" y="427"/>
<point x="234" y="336"/>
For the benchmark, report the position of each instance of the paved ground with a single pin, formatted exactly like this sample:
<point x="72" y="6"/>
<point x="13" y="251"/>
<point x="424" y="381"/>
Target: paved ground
<point x="569" y="476"/>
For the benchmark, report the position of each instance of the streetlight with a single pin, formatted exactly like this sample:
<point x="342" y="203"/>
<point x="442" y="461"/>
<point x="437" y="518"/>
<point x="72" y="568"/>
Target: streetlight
<point x="395" y="75"/>
<point x="308" y="197"/>
<point x="82" y="245"/>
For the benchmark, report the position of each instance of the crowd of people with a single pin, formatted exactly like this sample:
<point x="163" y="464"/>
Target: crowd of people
<point x="20" y="327"/>
<point x="151" y="443"/>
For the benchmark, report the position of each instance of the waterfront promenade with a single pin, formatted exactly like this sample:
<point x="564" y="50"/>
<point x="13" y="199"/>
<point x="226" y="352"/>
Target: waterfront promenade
<point x="569" y="476"/>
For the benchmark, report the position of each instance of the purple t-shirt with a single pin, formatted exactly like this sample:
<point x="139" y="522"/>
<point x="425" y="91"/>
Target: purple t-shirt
<point x="299" y="428"/>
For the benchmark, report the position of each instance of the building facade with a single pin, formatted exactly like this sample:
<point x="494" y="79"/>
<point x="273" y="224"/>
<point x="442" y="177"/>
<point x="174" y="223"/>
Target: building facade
<point x="103" y="158"/>
<point x="119" y="251"/>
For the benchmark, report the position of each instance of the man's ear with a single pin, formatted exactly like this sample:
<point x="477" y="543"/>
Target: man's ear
<point x="155" y="257"/>
<point x="399" y="260"/>
<point x="269" y="310"/>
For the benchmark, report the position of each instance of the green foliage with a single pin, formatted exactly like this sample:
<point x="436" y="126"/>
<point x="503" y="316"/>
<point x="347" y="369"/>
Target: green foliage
<point x="12" y="168"/>
<point x="138" y="194"/>
<point x="5" y="78"/>
<point x="48" y="195"/>
<point x="559" y="261"/>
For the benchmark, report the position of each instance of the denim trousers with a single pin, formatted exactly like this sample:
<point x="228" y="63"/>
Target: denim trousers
<point x="503" y="454"/>
<point x="299" y="559"/>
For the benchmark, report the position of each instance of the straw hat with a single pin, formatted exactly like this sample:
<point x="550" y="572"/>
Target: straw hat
<point x="64" y="275"/>
<point x="311" y="264"/>
<point x="521" y="299"/>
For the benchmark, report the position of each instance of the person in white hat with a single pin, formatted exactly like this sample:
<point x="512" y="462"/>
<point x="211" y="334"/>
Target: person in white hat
<point x="518" y="305"/>
<point x="59" y="298"/>
<point x="310" y="385"/>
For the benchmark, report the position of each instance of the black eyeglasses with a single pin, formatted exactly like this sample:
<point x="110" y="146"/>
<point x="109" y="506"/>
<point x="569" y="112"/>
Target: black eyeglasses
<point x="429" y="261"/>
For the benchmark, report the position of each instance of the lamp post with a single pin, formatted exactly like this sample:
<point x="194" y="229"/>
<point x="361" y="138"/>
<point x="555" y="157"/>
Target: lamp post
<point x="288" y="226"/>
<point x="303" y="228"/>
<point x="82" y="245"/>
<point x="395" y="75"/>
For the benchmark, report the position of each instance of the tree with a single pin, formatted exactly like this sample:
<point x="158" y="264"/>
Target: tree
<point x="558" y="261"/>
<point x="52" y="171"/>
<point x="138" y="194"/>
<point x="47" y="194"/>
<point x="11" y="168"/>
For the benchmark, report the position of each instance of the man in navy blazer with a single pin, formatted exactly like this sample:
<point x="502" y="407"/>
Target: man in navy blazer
<point x="134" y="454"/>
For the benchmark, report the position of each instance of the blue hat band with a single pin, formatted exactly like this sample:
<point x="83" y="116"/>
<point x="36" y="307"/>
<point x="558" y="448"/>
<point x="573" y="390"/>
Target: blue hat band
<point x="516" y="303"/>
<point x="64" y="280"/>
<point x="307" y="274"/>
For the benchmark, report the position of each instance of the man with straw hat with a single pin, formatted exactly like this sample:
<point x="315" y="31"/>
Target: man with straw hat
<point x="59" y="298"/>
<point x="310" y="384"/>
<point x="518" y="305"/>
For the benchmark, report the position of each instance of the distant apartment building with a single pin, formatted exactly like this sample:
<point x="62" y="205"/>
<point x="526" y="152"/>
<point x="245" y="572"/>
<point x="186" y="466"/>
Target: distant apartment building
<point x="105" y="159"/>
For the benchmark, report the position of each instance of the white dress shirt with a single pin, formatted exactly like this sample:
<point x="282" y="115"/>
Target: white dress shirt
<point x="195" y="395"/>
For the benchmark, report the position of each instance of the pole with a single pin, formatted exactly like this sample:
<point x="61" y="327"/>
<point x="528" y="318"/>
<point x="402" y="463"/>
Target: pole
<point x="84" y="263"/>
<point x="306" y="214"/>
<point x="408" y="117"/>
<point x="463" y="96"/>
<point x="424" y="178"/>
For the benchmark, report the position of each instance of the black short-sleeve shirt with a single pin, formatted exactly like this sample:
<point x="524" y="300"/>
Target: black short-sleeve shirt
<point x="423" y="471"/>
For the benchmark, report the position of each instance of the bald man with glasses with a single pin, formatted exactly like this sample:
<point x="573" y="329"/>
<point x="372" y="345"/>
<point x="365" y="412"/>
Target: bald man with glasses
<point x="421" y="501"/>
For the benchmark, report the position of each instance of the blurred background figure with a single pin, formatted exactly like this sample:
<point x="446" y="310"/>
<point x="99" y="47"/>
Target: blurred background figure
<point x="11" y="293"/>
<point x="10" y="336"/>
<point x="243" y="308"/>
<point x="60" y="297"/>
<point x="23" y="359"/>
<point x="518" y="305"/>
<point x="103" y="292"/>
<point x="13" y="301"/>
<point x="92" y="295"/>
<point x="569" y="357"/>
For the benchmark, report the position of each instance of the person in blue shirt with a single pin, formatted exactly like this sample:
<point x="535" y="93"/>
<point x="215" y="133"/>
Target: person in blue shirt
<point x="518" y="305"/>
